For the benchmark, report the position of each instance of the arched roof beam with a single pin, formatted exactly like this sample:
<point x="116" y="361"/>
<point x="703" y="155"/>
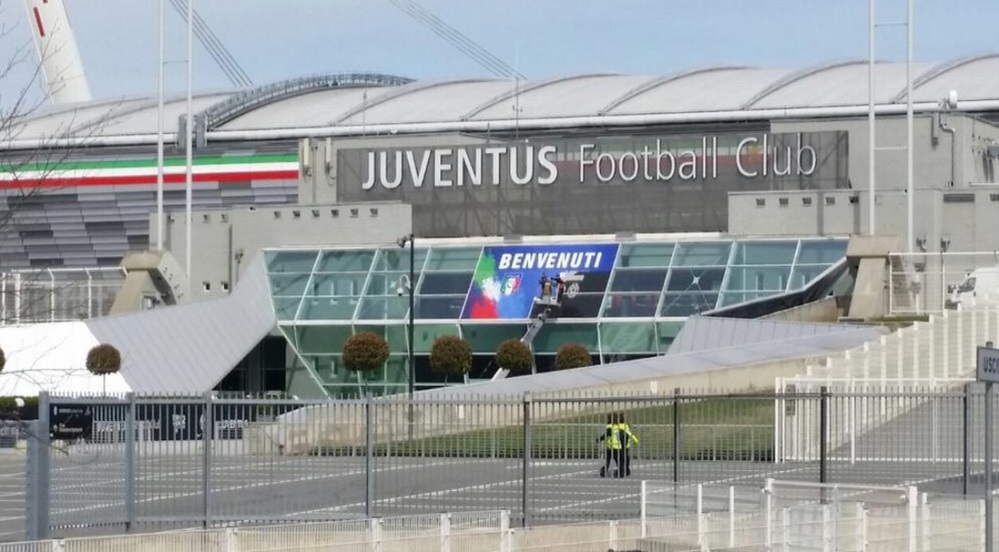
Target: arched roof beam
<point x="659" y="81"/>
<point x="140" y="106"/>
<point x="400" y="92"/>
<point x="244" y="102"/>
<point x="500" y="98"/>
<point x="795" y="77"/>
<point x="941" y="70"/>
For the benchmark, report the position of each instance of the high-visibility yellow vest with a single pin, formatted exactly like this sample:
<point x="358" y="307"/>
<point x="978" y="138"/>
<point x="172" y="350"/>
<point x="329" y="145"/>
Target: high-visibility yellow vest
<point x="612" y="441"/>
<point x="631" y="437"/>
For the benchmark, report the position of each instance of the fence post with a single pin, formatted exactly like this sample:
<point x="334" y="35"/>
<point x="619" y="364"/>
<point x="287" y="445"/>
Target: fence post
<point x="207" y="437"/>
<point x="861" y="543"/>
<point x="376" y="535"/>
<point x="525" y="475"/>
<point x="445" y="544"/>
<point x="912" y="497"/>
<point x="823" y="431"/>
<point x="924" y="521"/>
<point x="59" y="545"/>
<point x="37" y="499"/>
<point x="700" y="514"/>
<point x="768" y="493"/>
<point x="643" y="508"/>
<point x="369" y="457"/>
<point x="612" y="537"/>
<point x="966" y="431"/>
<point x="676" y="435"/>
<point x="504" y="531"/>
<point x="731" y="516"/>
<point x="130" y="463"/>
<point x="232" y="543"/>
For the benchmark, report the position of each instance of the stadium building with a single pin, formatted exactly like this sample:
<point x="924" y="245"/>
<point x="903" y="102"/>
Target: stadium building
<point x="657" y="196"/>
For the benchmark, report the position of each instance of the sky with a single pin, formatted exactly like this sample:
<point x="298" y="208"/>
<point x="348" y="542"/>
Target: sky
<point x="278" y="39"/>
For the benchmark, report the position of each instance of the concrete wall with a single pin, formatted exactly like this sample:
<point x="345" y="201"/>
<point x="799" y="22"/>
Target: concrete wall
<point x="226" y="240"/>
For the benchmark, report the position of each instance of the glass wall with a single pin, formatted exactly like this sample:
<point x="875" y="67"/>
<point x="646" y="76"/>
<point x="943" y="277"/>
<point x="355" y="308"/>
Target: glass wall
<point x="322" y="297"/>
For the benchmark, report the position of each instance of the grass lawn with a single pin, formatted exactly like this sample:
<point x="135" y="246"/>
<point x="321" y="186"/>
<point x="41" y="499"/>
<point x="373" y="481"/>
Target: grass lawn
<point x="710" y="429"/>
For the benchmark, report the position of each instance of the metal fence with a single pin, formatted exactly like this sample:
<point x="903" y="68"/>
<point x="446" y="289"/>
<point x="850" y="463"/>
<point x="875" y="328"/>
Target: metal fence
<point x="57" y="294"/>
<point x="143" y="463"/>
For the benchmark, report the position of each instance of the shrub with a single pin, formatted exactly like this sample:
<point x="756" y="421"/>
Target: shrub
<point x="572" y="355"/>
<point x="365" y="352"/>
<point x="103" y="359"/>
<point x="513" y="355"/>
<point x="451" y="356"/>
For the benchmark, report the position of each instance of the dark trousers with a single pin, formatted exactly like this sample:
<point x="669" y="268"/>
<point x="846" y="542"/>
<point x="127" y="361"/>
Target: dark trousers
<point x="625" y="463"/>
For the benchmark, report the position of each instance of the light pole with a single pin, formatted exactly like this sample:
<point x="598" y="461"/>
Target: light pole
<point x="410" y="239"/>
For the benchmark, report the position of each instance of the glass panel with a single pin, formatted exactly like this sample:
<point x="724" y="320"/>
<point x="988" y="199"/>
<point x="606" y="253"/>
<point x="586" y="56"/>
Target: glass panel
<point x="328" y="308"/>
<point x="486" y="338"/>
<point x="424" y="335"/>
<point x="687" y="304"/>
<point x="621" y="305"/>
<point x="439" y="307"/>
<point x="395" y="336"/>
<point x="753" y="278"/>
<point x="765" y="253"/>
<point x="389" y="283"/>
<point x="457" y="258"/>
<point x="321" y="339"/>
<point x="730" y="298"/>
<point x="388" y="307"/>
<point x="667" y="333"/>
<point x="337" y="285"/>
<point x="553" y="336"/>
<point x="628" y="338"/>
<point x="398" y="259"/>
<point x="285" y="307"/>
<point x="346" y="261"/>
<point x="696" y="279"/>
<point x="821" y="251"/>
<point x="442" y="283"/>
<point x="290" y="261"/>
<point x="804" y="274"/>
<point x="639" y="280"/>
<point x="646" y="254"/>
<point x="288" y="285"/>
<point x="703" y="254"/>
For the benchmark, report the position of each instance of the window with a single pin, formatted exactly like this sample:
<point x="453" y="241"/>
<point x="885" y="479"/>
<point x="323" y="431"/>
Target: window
<point x="784" y="202"/>
<point x="760" y="202"/>
<point x="806" y="201"/>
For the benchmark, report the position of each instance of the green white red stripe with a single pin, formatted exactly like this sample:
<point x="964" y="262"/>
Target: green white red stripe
<point x="144" y="171"/>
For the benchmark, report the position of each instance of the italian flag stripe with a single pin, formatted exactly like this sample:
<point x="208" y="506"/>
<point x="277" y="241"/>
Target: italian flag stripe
<point x="74" y="175"/>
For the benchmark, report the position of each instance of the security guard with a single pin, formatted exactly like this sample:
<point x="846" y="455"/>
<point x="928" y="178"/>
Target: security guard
<point x="626" y="438"/>
<point x="612" y="442"/>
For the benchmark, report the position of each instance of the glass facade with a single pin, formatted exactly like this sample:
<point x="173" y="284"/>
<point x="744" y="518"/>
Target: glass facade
<point x="633" y="309"/>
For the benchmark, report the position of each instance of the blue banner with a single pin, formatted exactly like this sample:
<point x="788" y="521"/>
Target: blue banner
<point x="508" y="279"/>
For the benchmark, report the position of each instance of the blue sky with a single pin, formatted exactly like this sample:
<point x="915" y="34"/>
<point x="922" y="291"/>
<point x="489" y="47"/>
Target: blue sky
<point x="276" y="39"/>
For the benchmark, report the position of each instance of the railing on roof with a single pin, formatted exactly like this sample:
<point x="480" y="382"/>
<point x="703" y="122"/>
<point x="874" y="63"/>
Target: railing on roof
<point x="57" y="294"/>
<point x="249" y="100"/>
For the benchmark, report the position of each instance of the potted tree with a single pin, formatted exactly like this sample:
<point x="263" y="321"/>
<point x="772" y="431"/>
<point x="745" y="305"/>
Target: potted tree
<point x="514" y="356"/>
<point x="365" y="352"/>
<point x="451" y="355"/>
<point x="102" y="360"/>
<point x="572" y="355"/>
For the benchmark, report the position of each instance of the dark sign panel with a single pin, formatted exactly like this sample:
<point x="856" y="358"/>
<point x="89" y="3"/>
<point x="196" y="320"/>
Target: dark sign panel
<point x="669" y="183"/>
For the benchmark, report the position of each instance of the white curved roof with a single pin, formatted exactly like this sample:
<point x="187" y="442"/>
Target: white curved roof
<point x="378" y="103"/>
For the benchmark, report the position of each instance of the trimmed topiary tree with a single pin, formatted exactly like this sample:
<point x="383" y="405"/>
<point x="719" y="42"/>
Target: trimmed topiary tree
<point x="102" y="360"/>
<point x="514" y="356"/>
<point x="3" y="360"/>
<point x="572" y="355"/>
<point x="452" y="356"/>
<point x="365" y="352"/>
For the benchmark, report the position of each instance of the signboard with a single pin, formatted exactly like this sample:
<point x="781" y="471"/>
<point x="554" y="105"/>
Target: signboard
<point x="551" y="185"/>
<point x="508" y="278"/>
<point x="70" y="422"/>
<point x="988" y="365"/>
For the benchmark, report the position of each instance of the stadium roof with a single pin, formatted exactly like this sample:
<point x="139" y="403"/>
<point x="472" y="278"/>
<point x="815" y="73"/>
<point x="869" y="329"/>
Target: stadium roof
<point x="368" y="104"/>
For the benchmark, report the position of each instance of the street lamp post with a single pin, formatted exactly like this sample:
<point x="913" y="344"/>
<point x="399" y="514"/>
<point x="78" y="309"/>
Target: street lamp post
<point x="410" y="239"/>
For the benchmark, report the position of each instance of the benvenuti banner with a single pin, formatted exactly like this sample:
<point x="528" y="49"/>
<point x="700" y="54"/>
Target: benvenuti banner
<point x="508" y="278"/>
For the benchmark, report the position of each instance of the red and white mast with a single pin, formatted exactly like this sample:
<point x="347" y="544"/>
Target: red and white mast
<point x="57" y="51"/>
